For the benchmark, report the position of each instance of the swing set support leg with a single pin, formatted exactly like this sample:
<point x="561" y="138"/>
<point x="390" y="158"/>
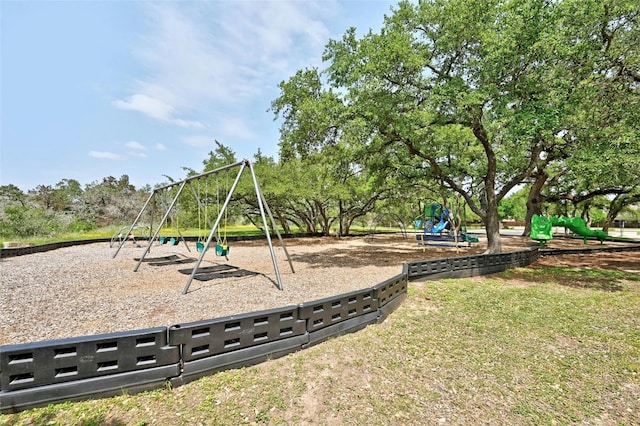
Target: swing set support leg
<point x="160" y="225"/>
<point x="215" y="227"/>
<point x="124" y="240"/>
<point x="275" y="228"/>
<point x="183" y="240"/>
<point x="264" y="207"/>
<point x="266" y="228"/>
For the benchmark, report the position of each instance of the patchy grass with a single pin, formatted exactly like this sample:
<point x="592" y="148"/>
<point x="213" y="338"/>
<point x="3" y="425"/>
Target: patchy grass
<point x="526" y="346"/>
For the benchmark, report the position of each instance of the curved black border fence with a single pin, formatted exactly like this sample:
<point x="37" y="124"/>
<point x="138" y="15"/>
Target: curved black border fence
<point x="36" y="374"/>
<point x="25" y="250"/>
<point x="22" y="251"/>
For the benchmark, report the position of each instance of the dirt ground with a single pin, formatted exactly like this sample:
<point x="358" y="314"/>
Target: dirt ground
<point x="628" y="261"/>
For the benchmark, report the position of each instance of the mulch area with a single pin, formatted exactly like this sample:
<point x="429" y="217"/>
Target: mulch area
<point x="82" y="290"/>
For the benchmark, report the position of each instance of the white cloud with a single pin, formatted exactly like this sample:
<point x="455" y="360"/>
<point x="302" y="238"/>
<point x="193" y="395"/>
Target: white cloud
<point x="198" y="141"/>
<point x="155" y="108"/>
<point x="235" y="127"/>
<point x="134" y="149"/>
<point x="160" y="147"/>
<point x="205" y="57"/>
<point x="276" y="34"/>
<point x="104" y="155"/>
<point x="137" y="146"/>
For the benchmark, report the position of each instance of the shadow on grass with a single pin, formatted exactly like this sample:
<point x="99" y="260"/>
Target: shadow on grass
<point x="583" y="278"/>
<point x="49" y="415"/>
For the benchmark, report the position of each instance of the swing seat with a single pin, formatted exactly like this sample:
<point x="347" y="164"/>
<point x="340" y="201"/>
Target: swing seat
<point x="163" y="240"/>
<point x="174" y="241"/>
<point x="200" y="246"/>
<point x="469" y="238"/>
<point x="222" y="249"/>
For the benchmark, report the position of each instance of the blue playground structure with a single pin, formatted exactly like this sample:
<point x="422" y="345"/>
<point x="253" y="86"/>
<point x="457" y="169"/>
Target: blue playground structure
<point x="434" y="227"/>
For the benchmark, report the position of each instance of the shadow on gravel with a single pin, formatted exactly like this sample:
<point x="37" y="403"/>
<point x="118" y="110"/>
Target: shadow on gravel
<point x="209" y="273"/>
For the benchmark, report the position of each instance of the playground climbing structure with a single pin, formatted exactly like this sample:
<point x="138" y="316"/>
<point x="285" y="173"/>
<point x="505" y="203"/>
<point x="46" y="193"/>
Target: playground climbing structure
<point x="542" y="228"/>
<point x="434" y="227"/>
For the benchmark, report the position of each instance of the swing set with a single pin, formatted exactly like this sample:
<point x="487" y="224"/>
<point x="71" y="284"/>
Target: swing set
<point x="161" y="198"/>
<point x="221" y="246"/>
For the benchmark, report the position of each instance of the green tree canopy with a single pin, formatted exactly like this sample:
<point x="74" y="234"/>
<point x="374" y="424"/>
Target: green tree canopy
<point x="477" y="95"/>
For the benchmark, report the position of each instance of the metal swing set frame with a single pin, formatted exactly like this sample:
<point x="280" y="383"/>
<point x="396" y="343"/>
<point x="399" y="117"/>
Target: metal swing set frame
<point x="262" y="205"/>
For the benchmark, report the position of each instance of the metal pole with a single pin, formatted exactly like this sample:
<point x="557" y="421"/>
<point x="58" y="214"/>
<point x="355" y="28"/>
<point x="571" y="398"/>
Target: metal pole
<point x="183" y="240"/>
<point x="201" y="175"/>
<point x="215" y="226"/>
<point x="153" y="214"/>
<point x="275" y="228"/>
<point x="164" y="219"/>
<point x="124" y="240"/>
<point x="266" y="227"/>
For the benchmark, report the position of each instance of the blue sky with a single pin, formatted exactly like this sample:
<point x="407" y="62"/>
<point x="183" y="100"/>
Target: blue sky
<point x="90" y="89"/>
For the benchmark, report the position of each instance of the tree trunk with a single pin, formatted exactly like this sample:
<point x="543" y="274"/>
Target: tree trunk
<point x="340" y="219"/>
<point x="534" y="201"/>
<point x="347" y="228"/>
<point x="311" y="227"/>
<point x="323" y="217"/>
<point x="586" y="216"/>
<point x="253" y="222"/>
<point x="295" y="221"/>
<point x="611" y="217"/>
<point x="492" y="226"/>
<point x="615" y="207"/>
<point x="492" y="223"/>
<point x="488" y="198"/>
<point x="283" y="221"/>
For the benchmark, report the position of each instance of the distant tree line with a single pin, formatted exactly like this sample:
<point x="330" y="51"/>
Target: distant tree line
<point x="318" y="194"/>
<point x="67" y="207"/>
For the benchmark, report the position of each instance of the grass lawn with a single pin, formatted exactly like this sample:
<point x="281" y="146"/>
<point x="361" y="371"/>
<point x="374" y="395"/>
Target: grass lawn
<point x="109" y="232"/>
<point x="528" y="346"/>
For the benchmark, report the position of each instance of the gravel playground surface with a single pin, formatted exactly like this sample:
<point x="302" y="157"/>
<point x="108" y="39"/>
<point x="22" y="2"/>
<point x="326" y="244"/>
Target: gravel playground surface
<point x="82" y="290"/>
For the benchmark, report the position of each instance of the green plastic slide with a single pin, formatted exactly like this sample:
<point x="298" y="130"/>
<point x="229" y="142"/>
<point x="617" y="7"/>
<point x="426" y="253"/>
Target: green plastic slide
<point x="541" y="228"/>
<point x="578" y="226"/>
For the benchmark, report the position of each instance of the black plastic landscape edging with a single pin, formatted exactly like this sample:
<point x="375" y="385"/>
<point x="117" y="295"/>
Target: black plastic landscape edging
<point x="468" y="266"/>
<point x="599" y="249"/>
<point x="23" y="251"/>
<point x="36" y="374"/>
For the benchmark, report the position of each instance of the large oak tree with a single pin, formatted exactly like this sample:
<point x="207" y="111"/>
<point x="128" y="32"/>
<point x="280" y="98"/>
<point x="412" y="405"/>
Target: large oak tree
<point x="478" y="95"/>
<point x="455" y="88"/>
